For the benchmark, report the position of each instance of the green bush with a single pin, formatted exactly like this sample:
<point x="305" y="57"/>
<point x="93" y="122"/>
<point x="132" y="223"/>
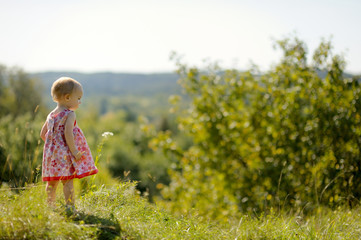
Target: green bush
<point x="287" y="137"/>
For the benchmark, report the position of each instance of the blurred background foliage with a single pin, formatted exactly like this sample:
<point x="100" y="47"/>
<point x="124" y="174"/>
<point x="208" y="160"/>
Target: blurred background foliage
<point x="25" y="103"/>
<point x="20" y="146"/>
<point x="219" y="143"/>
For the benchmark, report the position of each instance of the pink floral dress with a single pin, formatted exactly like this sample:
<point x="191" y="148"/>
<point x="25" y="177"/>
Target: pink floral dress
<point x="58" y="162"/>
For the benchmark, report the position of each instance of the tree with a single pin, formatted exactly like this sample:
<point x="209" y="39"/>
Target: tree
<point x="19" y="93"/>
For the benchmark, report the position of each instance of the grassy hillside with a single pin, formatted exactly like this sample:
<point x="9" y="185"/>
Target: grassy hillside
<point x="115" y="213"/>
<point x="118" y="212"/>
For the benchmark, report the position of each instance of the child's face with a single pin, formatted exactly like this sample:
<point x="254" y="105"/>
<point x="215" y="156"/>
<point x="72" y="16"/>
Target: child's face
<point x="73" y="100"/>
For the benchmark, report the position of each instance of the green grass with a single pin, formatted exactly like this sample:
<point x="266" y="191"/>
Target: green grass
<point x="119" y="212"/>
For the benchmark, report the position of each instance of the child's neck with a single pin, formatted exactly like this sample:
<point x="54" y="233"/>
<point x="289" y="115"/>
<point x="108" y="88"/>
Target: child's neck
<point x="61" y="107"/>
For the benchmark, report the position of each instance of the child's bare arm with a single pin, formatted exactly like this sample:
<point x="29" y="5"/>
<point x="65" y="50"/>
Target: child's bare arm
<point x="44" y="129"/>
<point x="69" y="136"/>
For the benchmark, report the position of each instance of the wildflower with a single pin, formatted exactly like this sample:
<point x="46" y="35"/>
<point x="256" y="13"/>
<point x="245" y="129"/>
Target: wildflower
<point x="106" y="134"/>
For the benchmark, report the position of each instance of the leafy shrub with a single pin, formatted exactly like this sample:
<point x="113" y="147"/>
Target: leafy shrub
<point x="288" y="137"/>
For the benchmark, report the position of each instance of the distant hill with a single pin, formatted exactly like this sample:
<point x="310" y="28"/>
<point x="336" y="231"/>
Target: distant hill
<point x="115" y="84"/>
<point x="123" y="84"/>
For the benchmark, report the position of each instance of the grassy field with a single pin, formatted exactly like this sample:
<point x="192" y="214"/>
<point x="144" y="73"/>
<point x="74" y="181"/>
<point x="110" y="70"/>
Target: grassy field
<point x="119" y="212"/>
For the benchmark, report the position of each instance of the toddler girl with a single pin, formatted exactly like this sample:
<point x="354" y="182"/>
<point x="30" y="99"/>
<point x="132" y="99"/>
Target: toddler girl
<point x="66" y="153"/>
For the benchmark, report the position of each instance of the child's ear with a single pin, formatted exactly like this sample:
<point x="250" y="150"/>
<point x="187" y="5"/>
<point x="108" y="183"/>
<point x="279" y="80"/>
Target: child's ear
<point x="67" y="97"/>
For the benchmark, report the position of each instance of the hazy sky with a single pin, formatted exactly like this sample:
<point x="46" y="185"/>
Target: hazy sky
<point x="139" y="35"/>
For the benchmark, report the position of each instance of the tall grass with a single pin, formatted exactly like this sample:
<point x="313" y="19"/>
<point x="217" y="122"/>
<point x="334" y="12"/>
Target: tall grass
<point x="119" y="212"/>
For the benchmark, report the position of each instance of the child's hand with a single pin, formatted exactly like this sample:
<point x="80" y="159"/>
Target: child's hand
<point x="78" y="155"/>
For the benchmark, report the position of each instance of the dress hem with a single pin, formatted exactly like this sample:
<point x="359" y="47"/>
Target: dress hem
<point x="46" y="179"/>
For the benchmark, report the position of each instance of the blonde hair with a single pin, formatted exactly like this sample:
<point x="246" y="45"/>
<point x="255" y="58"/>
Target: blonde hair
<point x="63" y="86"/>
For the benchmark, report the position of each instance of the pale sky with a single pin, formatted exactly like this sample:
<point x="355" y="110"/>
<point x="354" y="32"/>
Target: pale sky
<point x="139" y="35"/>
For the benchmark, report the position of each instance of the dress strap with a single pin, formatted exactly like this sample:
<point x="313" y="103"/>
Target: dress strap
<point x="50" y="123"/>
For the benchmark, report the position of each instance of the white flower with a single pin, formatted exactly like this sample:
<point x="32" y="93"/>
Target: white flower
<point x="106" y="134"/>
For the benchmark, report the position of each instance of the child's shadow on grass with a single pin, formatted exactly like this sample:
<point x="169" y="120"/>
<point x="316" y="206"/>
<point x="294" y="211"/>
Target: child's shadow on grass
<point x="107" y="228"/>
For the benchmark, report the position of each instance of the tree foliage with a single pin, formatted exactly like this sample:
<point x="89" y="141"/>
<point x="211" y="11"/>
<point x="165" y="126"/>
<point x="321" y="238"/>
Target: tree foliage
<point x="288" y="137"/>
<point x="19" y="93"/>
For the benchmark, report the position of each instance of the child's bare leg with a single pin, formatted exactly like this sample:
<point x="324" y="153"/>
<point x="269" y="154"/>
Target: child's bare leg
<point x="68" y="189"/>
<point x="51" y="192"/>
